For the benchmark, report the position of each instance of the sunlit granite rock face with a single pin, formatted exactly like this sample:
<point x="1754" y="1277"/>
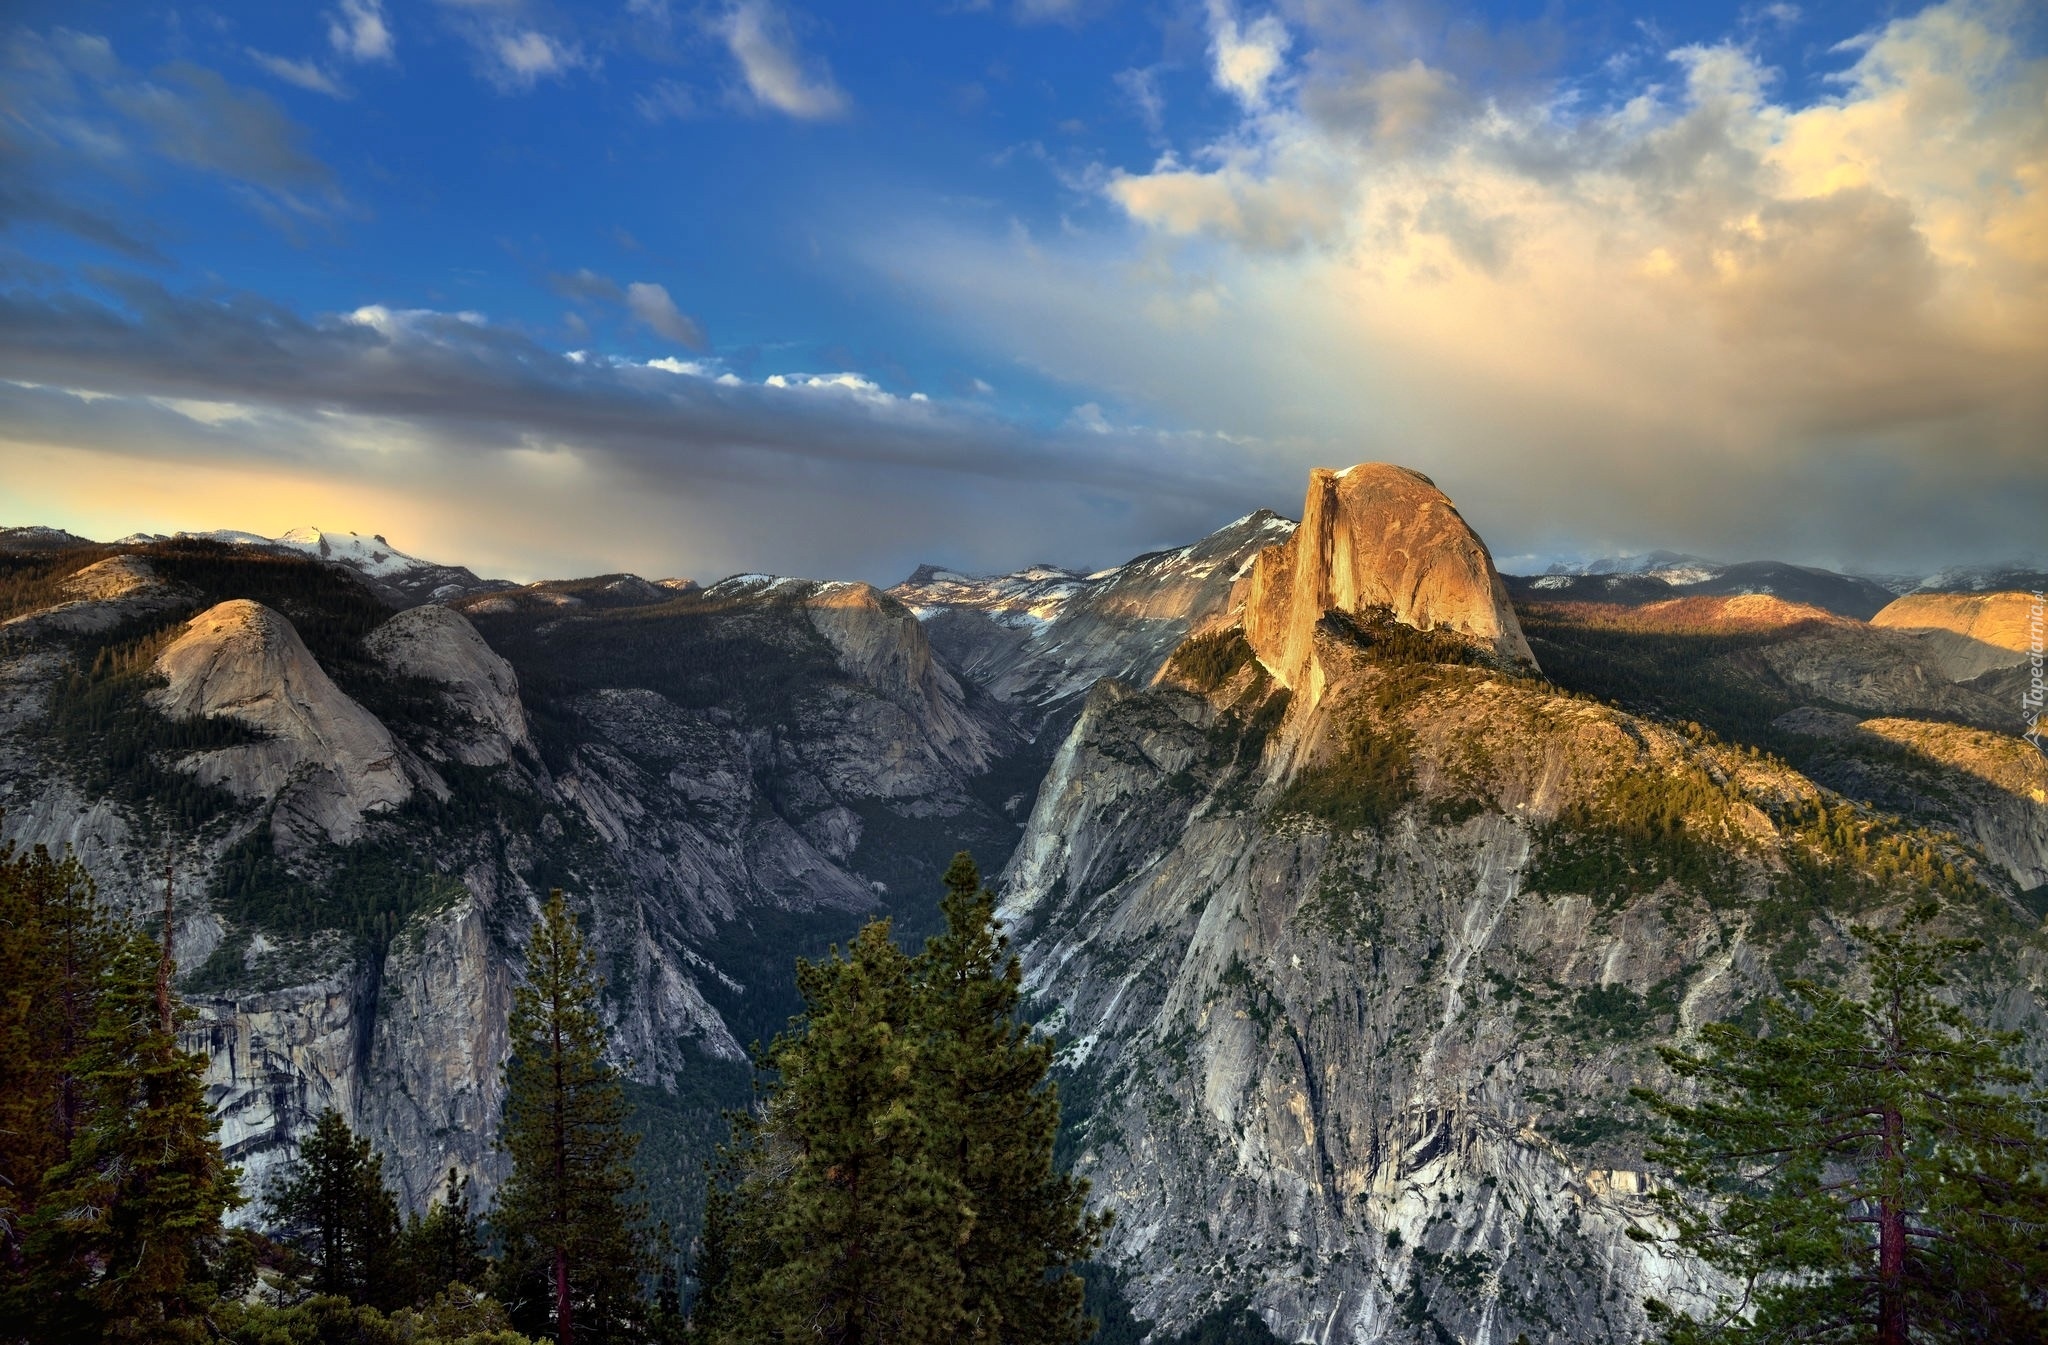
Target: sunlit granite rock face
<point x="1371" y="536"/>
<point x="1967" y="633"/>
<point x="241" y="661"/>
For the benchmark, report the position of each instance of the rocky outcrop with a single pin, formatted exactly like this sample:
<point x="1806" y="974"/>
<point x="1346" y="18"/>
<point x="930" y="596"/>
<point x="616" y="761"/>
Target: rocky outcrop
<point x="1371" y="536"/>
<point x="99" y="597"/>
<point x="1968" y="634"/>
<point x="881" y="643"/>
<point x="1783" y="651"/>
<point x="278" y="1057"/>
<point x="331" y="758"/>
<point x="438" y="644"/>
<point x="1038" y="639"/>
<point x="1989" y="787"/>
<point x="435" y="1058"/>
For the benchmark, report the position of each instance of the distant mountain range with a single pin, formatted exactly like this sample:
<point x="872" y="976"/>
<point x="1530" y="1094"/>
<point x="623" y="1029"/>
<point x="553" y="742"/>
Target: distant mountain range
<point x="1658" y="575"/>
<point x="1322" y="845"/>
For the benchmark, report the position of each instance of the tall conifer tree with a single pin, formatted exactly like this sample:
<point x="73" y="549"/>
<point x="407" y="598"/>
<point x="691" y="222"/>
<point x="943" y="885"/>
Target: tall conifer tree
<point x="1870" y="1169"/>
<point x="840" y="1228"/>
<point x="333" y="1206"/>
<point x="995" y="1119"/>
<point x="56" y="944"/>
<point x="446" y="1246"/>
<point x="566" y="1212"/>
<point x="897" y="1184"/>
<point x="127" y="1220"/>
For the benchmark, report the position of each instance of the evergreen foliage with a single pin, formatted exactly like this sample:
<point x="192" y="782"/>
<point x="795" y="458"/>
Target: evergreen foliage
<point x="116" y="744"/>
<point x="1369" y="778"/>
<point x="56" y="946"/>
<point x="333" y="1207"/>
<point x="573" y="1255"/>
<point x="458" y="1315"/>
<point x="1872" y="1167"/>
<point x="985" y="1073"/>
<point x="1388" y="639"/>
<point x="119" y="1242"/>
<point x="445" y="1246"/>
<point x="1206" y="662"/>
<point x="897" y="1183"/>
<point x="1641" y="830"/>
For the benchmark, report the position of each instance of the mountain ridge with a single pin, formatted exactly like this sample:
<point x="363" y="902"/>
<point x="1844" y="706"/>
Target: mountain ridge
<point x="1282" y="940"/>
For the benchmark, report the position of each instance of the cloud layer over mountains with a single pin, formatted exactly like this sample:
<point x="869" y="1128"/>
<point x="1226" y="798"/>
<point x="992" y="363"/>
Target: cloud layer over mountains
<point x="1678" y="307"/>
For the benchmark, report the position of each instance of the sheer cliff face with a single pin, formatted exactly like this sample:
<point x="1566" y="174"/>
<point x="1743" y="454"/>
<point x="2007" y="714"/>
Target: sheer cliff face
<point x="1371" y="536"/>
<point x="1351" y="975"/>
<point x="1351" y="954"/>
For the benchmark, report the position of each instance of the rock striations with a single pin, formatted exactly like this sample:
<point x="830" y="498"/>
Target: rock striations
<point x="1353" y="944"/>
<point x="1375" y="535"/>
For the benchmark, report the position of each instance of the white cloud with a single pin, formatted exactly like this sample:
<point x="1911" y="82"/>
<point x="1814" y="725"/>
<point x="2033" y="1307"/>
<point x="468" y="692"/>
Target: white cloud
<point x="304" y="74"/>
<point x="856" y="386"/>
<point x="524" y="58"/>
<point x="666" y="100"/>
<point x="358" y="31"/>
<point x="777" y="75"/>
<point x="1246" y="58"/>
<point x="656" y="311"/>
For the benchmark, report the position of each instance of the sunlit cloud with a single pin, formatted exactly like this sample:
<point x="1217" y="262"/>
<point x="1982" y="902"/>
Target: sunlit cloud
<point x="1692" y="314"/>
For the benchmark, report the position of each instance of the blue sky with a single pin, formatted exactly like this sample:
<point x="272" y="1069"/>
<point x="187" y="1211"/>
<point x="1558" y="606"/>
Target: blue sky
<point x="834" y="288"/>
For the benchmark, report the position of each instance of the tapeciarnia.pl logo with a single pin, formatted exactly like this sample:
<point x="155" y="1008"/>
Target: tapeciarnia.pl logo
<point x="2030" y="702"/>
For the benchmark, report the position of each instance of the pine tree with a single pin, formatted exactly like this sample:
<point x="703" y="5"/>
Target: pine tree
<point x="839" y="1228"/>
<point x="127" y="1220"/>
<point x="897" y="1182"/>
<point x="446" y="1246"/>
<point x="566" y="1212"/>
<point x="55" y="947"/>
<point x="1868" y="1169"/>
<point x="995" y="1120"/>
<point x="333" y="1206"/>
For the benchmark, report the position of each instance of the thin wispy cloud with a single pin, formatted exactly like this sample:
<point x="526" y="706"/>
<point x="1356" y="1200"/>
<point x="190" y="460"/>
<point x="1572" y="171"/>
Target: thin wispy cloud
<point x="650" y="303"/>
<point x="75" y="106"/>
<point x="419" y="400"/>
<point x="1778" y="291"/>
<point x="306" y="75"/>
<point x="778" y="75"/>
<point x="521" y="58"/>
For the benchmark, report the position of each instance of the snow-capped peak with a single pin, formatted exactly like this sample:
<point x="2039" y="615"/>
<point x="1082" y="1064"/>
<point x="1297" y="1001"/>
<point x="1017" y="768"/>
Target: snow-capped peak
<point x="371" y="555"/>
